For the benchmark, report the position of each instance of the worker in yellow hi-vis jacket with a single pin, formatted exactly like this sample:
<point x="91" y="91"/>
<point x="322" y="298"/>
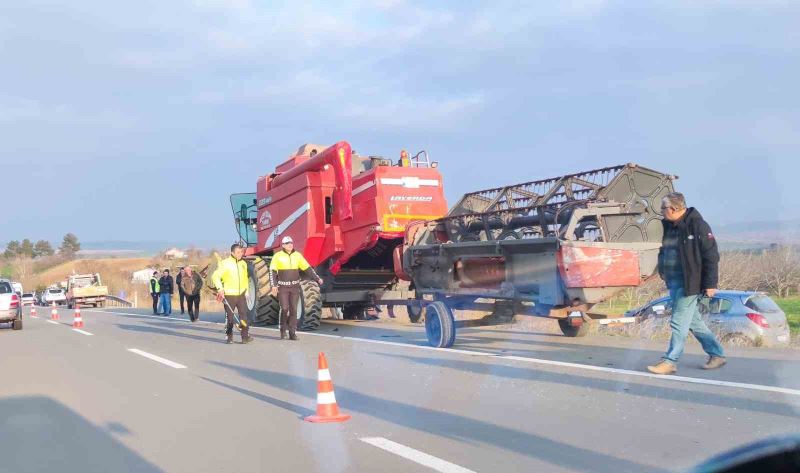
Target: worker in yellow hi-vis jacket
<point x="284" y="275"/>
<point x="231" y="281"/>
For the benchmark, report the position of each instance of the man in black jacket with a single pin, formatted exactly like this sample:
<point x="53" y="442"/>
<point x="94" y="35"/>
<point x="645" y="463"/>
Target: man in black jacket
<point x="688" y="263"/>
<point x="181" y="294"/>
<point x="167" y="289"/>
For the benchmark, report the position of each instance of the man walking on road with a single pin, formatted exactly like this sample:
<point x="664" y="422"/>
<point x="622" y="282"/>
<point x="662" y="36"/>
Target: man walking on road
<point x="688" y="263"/>
<point x="167" y="289"/>
<point x="155" y="292"/>
<point x="284" y="277"/>
<point x="181" y="294"/>
<point x="231" y="281"/>
<point x="191" y="284"/>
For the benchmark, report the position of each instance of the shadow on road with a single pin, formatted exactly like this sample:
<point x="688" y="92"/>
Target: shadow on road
<point x="299" y="410"/>
<point x="41" y="435"/>
<point x="453" y="426"/>
<point x="168" y="332"/>
<point x="623" y="387"/>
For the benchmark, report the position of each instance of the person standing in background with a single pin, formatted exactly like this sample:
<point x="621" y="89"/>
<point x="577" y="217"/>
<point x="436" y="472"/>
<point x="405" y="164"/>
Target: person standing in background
<point x="155" y="292"/>
<point x="181" y="294"/>
<point x="191" y="284"/>
<point x="167" y="289"/>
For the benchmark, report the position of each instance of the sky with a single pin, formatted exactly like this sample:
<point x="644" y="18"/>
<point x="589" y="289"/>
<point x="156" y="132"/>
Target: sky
<point x="134" y="121"/>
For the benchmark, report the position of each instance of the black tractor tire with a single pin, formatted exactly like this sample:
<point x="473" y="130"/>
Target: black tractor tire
<point x="16" y="324"/>
<point x="310" y="308"/>
<point x="570" y="331"/>
<point x="262" y="308"/>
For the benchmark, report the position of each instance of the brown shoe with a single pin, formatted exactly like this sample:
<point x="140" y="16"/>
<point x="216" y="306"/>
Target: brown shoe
<point x="714" y="362"/>
<point x="292" y="337"/>
<point x="663" y="367"/>
<point x="283" y="336"/>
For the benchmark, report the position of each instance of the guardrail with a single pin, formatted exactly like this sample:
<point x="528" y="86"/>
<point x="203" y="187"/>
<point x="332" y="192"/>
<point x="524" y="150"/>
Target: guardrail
<point x="114" y="301"/>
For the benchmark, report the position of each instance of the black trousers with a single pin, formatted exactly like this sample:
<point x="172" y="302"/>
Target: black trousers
<point x="288" y="297"/>
<point x="155" y="302"/>
<point x="193" y="302"/>
<point x="181" y="296"/>
<point x="239" y="304"/>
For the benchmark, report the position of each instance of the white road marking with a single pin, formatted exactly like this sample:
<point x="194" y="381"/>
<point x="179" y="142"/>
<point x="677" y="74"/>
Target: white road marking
<point x="54" y="322"/>
<point x="156" y="358"/>
<point x="81" y="331"/>
<point x="564" y="364"/>
<point x="422" y="458"/>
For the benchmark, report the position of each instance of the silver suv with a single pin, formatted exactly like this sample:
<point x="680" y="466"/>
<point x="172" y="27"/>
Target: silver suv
<point x="10" y="305"/>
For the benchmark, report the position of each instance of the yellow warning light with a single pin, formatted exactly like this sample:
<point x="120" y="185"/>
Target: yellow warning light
<point x="341" y="156"/>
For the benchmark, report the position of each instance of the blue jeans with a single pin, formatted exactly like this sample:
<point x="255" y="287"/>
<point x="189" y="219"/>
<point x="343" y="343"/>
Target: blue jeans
<point x="686" y="317"/>
<point x="166" y="303"/>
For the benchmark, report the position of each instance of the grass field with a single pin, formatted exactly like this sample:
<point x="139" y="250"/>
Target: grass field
<point x="791" y="306"/>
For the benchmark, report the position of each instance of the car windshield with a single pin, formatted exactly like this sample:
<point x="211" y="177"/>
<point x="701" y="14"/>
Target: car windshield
<point x="55" y="291"/>
<point x="27" y="294"/>
<point x="763" y="304"/>
<point x="5" y="288"/>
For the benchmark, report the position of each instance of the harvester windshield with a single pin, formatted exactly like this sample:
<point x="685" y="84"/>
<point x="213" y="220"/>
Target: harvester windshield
<point x="245" y="215"/>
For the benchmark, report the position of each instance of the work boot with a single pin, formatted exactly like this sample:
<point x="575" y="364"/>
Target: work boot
<point x="247" y="339"/>
<point x="663" y="367"/>
<point x="229" y="339"/>
<point x="715" y="362"/>
<point x="292" y="336"/>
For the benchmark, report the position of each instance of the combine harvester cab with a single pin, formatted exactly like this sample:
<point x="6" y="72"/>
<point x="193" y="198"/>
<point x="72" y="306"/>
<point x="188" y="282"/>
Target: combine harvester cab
<point x="347" y="214"/>
<point x="551" y="248"/>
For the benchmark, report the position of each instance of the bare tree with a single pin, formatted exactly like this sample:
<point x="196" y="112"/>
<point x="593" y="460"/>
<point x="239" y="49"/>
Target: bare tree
<point x="779" y="270"/>
<point x="738" y="270"/>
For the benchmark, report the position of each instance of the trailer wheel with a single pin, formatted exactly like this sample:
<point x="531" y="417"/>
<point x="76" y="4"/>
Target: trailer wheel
<point x="571" y="331"/>
<point x="309" y="308"/>
<point x="440" y="326"/>
<point x="262" y="308"/>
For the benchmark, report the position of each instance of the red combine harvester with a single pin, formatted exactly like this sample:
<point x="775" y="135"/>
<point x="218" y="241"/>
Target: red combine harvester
<point x="380" y="233"/>
<point x="347" y="214"/>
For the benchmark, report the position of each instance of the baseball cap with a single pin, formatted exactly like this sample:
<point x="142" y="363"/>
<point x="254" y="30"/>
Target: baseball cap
<point x="287" y="239"/>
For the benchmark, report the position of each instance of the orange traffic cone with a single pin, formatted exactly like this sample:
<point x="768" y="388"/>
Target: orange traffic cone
<point x="33" y="311"/>
<point x="327" y="409"/>
<point x="77" y="321"/>
<point x="54" y="312"/>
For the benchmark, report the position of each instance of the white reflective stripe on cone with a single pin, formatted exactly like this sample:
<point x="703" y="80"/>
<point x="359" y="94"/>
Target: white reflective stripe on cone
<point x="326" y="398"/>
<point x="324" y="375"/>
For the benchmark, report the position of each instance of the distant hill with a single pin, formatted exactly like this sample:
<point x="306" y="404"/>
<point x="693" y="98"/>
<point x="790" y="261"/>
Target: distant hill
<point x="758" y="234"/>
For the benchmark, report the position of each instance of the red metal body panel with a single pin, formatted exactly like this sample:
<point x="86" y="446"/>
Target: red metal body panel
<point x="588" y="266"/>
<point x="376" y="204"/>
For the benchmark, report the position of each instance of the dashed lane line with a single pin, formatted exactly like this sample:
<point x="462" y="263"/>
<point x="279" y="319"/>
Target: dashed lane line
<point x="416" y="456"/>
<point x="157" y="358"/>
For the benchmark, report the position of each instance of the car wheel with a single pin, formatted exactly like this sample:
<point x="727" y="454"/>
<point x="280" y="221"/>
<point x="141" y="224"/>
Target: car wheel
<point x="738" y="340"/>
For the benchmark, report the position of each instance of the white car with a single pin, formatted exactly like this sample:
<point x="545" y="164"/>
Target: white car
<point x="17" y="287"/>
<point x="52" y="295"/>
<point x="10" y="307"/>
<point x="28" y="298"/>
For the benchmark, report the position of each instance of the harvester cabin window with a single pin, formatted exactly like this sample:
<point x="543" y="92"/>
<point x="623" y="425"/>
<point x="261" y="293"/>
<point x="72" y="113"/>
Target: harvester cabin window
<point x="328" y="210"/>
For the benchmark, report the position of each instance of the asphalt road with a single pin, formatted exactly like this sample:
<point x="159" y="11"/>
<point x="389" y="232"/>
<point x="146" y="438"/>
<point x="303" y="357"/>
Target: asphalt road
<point x="499" y="401"/>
